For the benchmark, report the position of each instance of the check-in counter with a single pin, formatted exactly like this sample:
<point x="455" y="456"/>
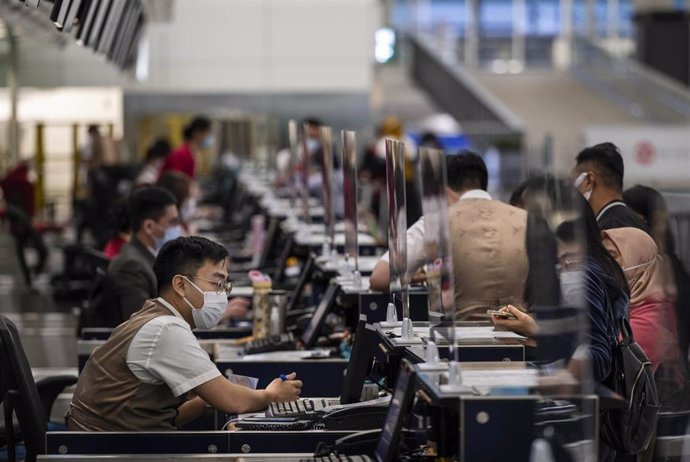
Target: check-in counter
<point x="322" y="377"/>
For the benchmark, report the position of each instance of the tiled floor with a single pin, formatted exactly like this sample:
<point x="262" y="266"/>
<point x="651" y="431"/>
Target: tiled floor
<point x="48" y="329"/>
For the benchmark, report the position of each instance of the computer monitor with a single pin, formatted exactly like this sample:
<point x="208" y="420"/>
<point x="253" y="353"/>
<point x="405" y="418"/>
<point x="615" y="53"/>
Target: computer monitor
<point x="311" y="332"/>
<point x="269" y="242"/>
<point x="387" y="448"/>
<point x="358" y="365"/>
<point x="279" y="272"/>
<point x="301" y="282"/>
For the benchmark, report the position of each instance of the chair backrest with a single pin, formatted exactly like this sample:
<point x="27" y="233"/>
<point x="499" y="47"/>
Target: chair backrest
<point x="17" y="373"/>
<point x="96" y="259"/>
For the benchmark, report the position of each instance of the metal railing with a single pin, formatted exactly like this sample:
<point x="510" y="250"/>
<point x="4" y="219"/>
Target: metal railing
<point x="643" y="92"/>
<point x="482" y="117"/>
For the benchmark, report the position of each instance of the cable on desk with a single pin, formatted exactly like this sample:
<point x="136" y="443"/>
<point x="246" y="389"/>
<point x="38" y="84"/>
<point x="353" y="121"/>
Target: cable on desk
<point x="236" y="419"/>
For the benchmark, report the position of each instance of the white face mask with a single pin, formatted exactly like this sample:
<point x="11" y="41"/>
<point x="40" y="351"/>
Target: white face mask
<point x="578" y="181"/>
<point x="573" y="288"/>
<point x="642" y="265"/>
<point x="212" y="311"/>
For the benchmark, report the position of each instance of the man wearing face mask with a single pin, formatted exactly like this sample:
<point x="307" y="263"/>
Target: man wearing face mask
<point x="598" y="175"/>
<point x="197" y="136"/>
<point x="130" y="280"/>
<point x="140" y="379"/>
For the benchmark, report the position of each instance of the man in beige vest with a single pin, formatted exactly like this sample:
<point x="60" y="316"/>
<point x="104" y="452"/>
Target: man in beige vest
<point x="487" y="240"/>
<point x="488" y="243"/>
<point x="141" y="377"/>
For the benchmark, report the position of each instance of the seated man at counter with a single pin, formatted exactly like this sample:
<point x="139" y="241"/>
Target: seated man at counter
<point x="488" y="242"/>
<point x="142" y="377"/>
<point x="130" y="280"/>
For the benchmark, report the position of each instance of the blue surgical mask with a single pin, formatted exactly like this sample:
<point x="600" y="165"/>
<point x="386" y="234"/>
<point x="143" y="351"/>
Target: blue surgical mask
<point x="170" y="233"/>
<point x="208" y="142"/>
<point x="313" y="145"/>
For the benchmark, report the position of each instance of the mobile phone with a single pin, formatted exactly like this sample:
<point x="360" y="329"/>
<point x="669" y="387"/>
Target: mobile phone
<point x="501" y="314"/>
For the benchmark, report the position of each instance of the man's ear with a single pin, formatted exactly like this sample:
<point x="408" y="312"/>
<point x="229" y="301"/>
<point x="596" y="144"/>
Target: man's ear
<point x="178" y="285"/>
<point x="148" y="225"/>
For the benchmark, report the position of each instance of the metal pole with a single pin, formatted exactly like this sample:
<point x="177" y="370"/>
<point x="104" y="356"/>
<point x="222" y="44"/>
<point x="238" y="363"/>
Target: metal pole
<point x="13" y="87"/>
<point x="612" y="13"/>
<point x="567" y="19"/>
<point x="591" y="18"/>
<point x="472" y="33"/>
<point x="76" y="161"/>
<point x="39" y="166"/>
<point x="519" y="30"/>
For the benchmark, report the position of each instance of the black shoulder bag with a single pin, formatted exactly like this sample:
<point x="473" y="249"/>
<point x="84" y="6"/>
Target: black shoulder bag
<point x="630" y="428"/>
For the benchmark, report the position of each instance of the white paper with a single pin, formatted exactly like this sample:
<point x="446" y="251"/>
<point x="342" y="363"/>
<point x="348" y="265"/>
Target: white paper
<point x="484" y="332"/>
<point x="499" y="378"/>
<point x="243" y="380"/>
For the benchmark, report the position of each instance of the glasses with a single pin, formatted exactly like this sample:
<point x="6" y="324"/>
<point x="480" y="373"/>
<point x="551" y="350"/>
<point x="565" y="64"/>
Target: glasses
<point x="570" y="260"/>
<point x="221" y="286"/>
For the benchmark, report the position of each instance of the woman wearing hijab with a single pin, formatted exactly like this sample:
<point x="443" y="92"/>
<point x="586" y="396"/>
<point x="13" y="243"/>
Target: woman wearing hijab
<point x="651" y="316"/>
<point x="650" y="205"/>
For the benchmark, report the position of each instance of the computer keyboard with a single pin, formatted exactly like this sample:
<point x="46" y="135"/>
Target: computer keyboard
<point x="282" y="342"/>
<point x="274" y="426"/>
<point x="304" y="408"/>
<point x="339" y="458"/>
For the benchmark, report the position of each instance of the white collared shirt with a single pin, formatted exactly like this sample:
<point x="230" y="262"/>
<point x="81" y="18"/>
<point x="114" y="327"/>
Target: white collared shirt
<point x="416" y="258"/>
<point x="166" y="351"/>
<point x="476" y="194"/>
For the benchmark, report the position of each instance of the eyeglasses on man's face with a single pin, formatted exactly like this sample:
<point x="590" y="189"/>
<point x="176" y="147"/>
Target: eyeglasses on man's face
<point x="221" y="285"/>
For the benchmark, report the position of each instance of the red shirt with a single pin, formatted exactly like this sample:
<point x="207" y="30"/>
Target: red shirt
<point x="180" y="160"/>
<point x="113" y="247"/>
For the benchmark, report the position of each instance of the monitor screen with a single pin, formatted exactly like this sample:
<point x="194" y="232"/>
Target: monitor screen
<point x="358" y="365"/>
<point x="279" y="272"/>
<point x="387" y="447"/>
<point x="311" y="332"/>
<point x="301" y="282"/>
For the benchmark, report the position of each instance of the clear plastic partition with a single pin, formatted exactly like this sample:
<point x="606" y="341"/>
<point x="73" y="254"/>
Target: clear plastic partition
<point x="327" y="187"/>
<point x="305" y="165"/>
<point x="349" y="150"/>
<point x="437" y="245"/>
<point x="565" y="311"/>
<point x="293" y="146"/>
<point x="397" y="222"/>
<point x="526" y="299"/>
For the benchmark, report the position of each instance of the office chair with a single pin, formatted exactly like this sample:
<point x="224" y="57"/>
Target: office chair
<point x="22" y="396"/>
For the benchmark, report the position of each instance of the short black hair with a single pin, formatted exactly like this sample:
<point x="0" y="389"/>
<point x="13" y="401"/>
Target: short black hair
<point x="148" y="202"/>
<point x="646" y="201"/>
<point x="185" y="255"/>
<point x="198" y="124"/>
<point x="312" y="122"/>
<point x="177" y="183"/>
<point x="607" y="161"/>
<point x="118" y="217"/>
<point x="429" y="139"/>
<point x="158" y="150"/>
<point x="466" y="170"/>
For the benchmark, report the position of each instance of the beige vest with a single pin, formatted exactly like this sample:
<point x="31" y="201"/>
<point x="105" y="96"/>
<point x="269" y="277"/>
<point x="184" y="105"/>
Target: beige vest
<point x="109" y="397"/>
<point x="489" y="256"/>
